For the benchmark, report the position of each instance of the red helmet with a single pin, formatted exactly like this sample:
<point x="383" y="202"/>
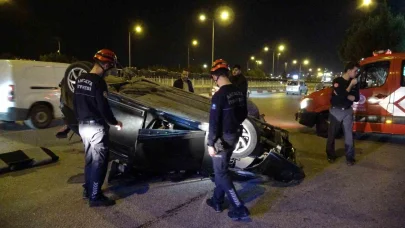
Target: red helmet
<point x="219" y="64"/>
<point x="106" y="56"/>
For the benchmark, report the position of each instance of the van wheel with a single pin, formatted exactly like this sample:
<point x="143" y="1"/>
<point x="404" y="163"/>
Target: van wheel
<point x="39" y="117"/>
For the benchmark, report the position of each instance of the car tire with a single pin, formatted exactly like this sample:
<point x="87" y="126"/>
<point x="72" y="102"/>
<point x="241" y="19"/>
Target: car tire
<point x="39" y="117"/>
<point x="72" y="72"/>
<point x="248" y="142"/>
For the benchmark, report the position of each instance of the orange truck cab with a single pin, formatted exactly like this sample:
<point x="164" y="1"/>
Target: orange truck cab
<point x="381" y="107"/>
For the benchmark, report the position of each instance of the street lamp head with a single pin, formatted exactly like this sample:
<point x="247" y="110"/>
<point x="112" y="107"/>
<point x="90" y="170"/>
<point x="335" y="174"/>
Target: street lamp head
<point x="195" y="42"/>
<point x="294" y="62"/>
<point x="224" y="15"/>
<point x="138" y="29"/>
<point x="278" y="54"/>
<point x="281" y="48"/>
<point x="306" y="62"/>
<point x="205" y="66"/>
<point x="252" y="58"/>
<point x="367" y="2"/>
<point x="266" y="49"/>
<point x="203" y="17"/>
<point x="319" y="69"/>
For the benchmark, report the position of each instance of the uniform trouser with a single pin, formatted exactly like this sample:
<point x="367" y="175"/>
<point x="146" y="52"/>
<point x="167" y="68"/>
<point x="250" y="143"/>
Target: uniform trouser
<point x="95" y="140"/>
<point x="338" y="117"/>
<point x="223" y="183"/>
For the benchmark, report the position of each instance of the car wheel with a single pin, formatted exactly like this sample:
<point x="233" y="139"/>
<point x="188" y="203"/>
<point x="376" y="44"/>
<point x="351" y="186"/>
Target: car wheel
<point x="39" y="117"/>
<point x="71" y="74"/>
<point x="248" y="142"/>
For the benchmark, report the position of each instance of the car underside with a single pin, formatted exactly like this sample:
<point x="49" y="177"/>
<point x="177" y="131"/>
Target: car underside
<point x="165" y="129"/>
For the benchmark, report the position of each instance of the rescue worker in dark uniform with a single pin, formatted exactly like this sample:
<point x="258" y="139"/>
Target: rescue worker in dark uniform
<point x="228" y="111"/>
<point x="94" y="114"/>
<point x="345" y="92"/>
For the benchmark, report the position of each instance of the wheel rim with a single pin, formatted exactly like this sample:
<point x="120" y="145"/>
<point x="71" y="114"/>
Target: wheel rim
<point x="73" y="75"/>
<point x="244" y="142"/>
<point x="41" y="117"/>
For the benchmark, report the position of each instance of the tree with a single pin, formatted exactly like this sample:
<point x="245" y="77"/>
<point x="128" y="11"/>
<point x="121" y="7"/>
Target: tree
<point x="7" y="56"/>
<point x="257" y="73"/>
<point x="55" y="57"/>
<point x="381" y="31"/>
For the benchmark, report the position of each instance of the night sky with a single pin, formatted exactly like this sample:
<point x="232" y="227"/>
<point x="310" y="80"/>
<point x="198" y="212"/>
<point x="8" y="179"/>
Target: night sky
<point x="310" y="29"/>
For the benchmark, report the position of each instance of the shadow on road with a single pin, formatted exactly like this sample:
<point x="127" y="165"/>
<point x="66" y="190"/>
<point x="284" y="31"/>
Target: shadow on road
<point x="20" y="126"/>
<point x="382" y="138"/>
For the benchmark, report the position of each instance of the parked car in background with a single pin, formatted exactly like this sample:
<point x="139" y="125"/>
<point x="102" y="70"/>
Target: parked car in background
<point x="29" y="91"/>
<point x="296" y="87"/>
<point x="322" y="85"/>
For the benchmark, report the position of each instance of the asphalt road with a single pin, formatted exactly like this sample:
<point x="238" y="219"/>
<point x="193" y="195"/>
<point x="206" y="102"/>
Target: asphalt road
<point x="369" y="194"/>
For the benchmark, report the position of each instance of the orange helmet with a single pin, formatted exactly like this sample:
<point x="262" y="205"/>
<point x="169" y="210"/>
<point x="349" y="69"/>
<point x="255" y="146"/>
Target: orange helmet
<point x="219" y="64"/>
<point x="106" y="56"/>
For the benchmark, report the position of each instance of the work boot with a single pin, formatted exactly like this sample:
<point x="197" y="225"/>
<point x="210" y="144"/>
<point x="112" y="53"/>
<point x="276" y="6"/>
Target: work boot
<point x="217" y="206"/>
<point x="239" y="213"/>
<point x="351" y="162"/>
<point x="63" y="132"/>
<point x="101" y="201"/>
<point x="331" y="159"/>
<point x="85" y="195"/>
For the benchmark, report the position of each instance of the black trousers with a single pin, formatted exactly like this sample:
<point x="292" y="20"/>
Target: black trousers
<point x="338" y="117"/>
<point x="95" y="140"/>
<point x="223" y="183"/>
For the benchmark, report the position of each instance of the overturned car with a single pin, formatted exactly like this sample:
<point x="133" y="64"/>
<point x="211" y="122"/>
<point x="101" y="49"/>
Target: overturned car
<point x="165" y="129"/>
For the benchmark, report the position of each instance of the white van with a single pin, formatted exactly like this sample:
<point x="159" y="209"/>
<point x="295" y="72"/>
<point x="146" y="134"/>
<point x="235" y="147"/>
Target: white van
<point x="29" y="91"/>
<point x="296" y="87"/>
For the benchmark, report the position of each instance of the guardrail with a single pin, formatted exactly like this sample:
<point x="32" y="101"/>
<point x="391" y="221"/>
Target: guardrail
<point x="253" y="84"/>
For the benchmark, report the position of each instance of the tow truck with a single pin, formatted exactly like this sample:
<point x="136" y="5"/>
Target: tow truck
<point x="381" y="108"/>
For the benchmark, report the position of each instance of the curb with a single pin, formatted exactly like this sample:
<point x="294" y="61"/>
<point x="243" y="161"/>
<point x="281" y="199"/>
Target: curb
<point x="27" y="158"/>
<point x="266" y="91"/>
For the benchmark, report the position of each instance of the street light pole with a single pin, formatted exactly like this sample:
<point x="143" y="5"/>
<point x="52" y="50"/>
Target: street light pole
<point x="273" y="62"/>
<point x="138" y="29"/>
<point x="213" y="39"/>
<point x="188" y="56"/>
<point x="129" y="49"/>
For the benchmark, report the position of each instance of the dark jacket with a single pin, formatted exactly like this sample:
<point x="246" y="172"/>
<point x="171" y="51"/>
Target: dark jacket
<point x="240" y="82"/>
<point x="90" y="99"/>
<point x="179" y="84"/>
<point x="339" y="95"/>
<point x="228" y="111"/>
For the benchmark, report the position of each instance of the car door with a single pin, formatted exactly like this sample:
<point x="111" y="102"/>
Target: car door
<point x="132" y="116"/>
<point x="370" y="113"/>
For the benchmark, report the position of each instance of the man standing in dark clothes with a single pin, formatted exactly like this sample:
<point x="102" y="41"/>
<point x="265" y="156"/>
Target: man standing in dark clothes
<point x="228" y="111"/>
<point x="184" y="83"/>
<point x="94" y="114"/>
<point x="345" y="92"/>
<point x="239" y="80"/>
